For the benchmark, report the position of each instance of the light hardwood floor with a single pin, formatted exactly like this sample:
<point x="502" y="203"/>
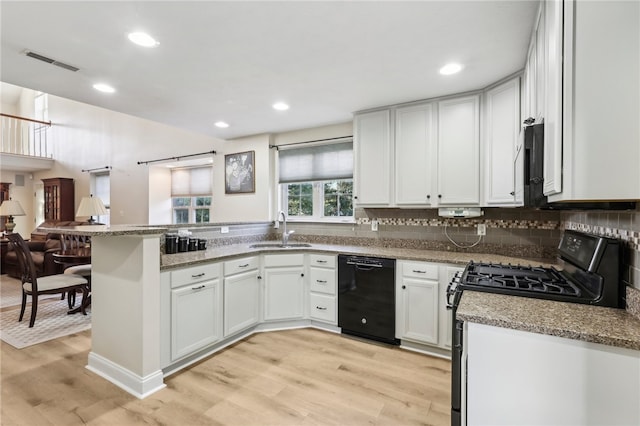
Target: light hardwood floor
<point x="294" y="377"/>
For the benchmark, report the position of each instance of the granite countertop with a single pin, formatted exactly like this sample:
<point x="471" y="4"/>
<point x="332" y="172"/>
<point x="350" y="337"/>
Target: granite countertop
<point x="108" y="230"/>
<point x="177" y="260"/>
<point x="608" y="326"/>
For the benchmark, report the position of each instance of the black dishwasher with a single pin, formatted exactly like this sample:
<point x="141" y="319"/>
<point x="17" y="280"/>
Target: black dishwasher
<point x="366" y="297"/>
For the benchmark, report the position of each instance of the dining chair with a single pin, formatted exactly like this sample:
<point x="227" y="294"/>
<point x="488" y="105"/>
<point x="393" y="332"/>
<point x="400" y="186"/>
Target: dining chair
<point x="51" y="284"/>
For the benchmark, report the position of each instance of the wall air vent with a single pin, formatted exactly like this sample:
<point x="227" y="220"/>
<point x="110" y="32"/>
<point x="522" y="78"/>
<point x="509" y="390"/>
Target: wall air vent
<point x="43" y="58"/>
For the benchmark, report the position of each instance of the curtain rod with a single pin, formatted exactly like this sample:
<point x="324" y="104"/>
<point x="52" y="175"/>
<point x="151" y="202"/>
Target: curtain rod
<point x="178" y="158"/>
<point x="319" y="140"/>
<point x="97" y="168"/>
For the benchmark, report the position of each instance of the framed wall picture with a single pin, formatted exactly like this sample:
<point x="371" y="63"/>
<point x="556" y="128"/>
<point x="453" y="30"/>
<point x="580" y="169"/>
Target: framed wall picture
<point x="240" y="173"/>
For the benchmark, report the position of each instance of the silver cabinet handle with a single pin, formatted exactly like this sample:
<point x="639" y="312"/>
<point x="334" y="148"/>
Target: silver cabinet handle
<point x="419" y="272"/>
<point x="321" y="308"/>
<point x="321" y="261"/>
<point x="321" y="281"/>
<point x="243" y="266"/>
<point x="201" y="274"/>
<point x="198" y="288"/>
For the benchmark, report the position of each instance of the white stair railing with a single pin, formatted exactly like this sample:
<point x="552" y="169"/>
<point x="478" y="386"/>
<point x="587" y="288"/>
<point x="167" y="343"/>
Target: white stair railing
<point x="24" y="136"/>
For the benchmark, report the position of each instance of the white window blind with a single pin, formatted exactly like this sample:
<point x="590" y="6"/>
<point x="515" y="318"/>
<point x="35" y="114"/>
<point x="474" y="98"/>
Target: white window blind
<point x="190" y="182"/>
<point x="101" y="188"/>
<point x="314" y="163"/>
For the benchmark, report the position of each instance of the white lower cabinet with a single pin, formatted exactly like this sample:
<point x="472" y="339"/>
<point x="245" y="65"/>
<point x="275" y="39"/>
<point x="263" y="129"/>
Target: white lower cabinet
<point x="284" y="287"/>
<point x="241" y="295"/>
<point x="522" y="378"/>
<point x="196" y="317"/>
<point x="192" y="310"/>
<point x="417" y="294"/>
<point x="322" y="284"/>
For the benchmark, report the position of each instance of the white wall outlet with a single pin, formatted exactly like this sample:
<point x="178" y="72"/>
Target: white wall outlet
<point x="374" y="225"/>
<point x="482" y="229"/>
<point x="224" y="229"/>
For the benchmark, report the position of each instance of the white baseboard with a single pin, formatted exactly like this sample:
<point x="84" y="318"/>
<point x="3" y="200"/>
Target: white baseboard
<point x="138" y="386"/>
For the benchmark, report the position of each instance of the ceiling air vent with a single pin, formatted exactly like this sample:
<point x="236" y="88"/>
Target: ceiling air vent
<point x="43" y="58"/>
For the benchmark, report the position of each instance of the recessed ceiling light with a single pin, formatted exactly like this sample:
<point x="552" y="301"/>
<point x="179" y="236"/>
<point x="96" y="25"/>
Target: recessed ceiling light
<point x="450" y="69"/>
<point x="280" y="106"/>
<point x="221" y="124"/>
<point x="143" y="39"/>
<point x="105" y="88"/>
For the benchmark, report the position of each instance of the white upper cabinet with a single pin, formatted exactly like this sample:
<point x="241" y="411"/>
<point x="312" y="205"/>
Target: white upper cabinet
<point x="601" y="101"/>
<point x="374" y="153"/>
<point x="501" y="135"/>
<point x="552" y="173"/>
<point x="459" y="151"/>
<point x="414" y="140"/>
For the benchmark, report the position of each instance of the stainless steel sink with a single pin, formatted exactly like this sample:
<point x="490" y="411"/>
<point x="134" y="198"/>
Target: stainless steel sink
<point x="279" y="245"/>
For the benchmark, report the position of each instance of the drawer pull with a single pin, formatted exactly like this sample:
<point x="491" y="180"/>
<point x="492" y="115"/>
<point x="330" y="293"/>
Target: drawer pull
<point x="419" y="272"/>
<point x="198" y="288"/>
<point x="201" y="274"/>
<point x="321" y="261"/>
<point x="321" y="281"/>
<point x="321" y="308"/>
<point x="243" y="266"/>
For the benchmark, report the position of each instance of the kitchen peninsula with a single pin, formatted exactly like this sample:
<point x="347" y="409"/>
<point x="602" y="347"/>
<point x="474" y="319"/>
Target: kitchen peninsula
<point x="129" y="274"/>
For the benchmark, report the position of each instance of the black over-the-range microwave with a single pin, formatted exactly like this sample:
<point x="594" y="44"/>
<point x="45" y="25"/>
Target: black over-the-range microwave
<point x="534" y="177"/>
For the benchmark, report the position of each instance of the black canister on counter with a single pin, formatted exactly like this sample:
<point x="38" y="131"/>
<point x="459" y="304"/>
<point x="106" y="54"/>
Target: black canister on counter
<point x="183" y="244"/>
<point x="193" y="244"/>
<point x="171" y="243"/>
<point x="202" y="244"/>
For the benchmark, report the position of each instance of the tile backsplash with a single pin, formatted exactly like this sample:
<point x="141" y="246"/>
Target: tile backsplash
<point x="623" y="225"/>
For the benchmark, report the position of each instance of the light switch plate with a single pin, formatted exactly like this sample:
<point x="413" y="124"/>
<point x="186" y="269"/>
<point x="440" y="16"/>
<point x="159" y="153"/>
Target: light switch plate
<point x="224" y="229"/>
<point x="374" y="225"/>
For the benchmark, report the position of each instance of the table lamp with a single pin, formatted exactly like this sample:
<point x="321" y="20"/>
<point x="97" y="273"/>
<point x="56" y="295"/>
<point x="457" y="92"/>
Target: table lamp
<point x="11" y="208"/>
<point x="91" y="206"/>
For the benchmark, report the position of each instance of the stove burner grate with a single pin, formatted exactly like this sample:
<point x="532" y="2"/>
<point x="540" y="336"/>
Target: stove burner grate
<point x="519" y="279"/>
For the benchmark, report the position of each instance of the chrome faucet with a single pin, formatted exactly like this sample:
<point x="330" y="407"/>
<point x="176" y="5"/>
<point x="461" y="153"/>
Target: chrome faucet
<point x="285" y="234"/>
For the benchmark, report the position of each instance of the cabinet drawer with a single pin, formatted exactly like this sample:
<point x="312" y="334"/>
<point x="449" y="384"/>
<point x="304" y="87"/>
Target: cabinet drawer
<point x="322" y="280"/>
<point x="420" y="270"/>
<point x="194" y="274"/>
<point x="241" y="265"/>
<point x="322" y="308"/>
<point x="271" y="260"/>
<point x="322" y="260"/>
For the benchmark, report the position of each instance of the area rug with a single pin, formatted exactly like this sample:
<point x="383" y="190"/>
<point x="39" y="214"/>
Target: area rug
<point x="52" y="322"/>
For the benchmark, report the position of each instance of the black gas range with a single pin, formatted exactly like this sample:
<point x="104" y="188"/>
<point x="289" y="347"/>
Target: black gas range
<point x="589" y="274"/>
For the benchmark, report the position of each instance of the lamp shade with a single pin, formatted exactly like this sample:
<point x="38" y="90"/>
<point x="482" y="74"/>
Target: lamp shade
<point x="91" y="206"/>
<point x="11" y="208"/>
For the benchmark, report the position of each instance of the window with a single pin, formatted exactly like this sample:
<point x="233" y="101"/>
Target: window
<point x="316" y="182"/>
<point x="100" y="187"/>
<point x="191" y="199"/>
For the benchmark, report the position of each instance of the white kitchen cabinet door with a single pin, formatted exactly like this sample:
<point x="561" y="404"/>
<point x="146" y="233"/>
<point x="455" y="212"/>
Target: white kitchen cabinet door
<point x="419" y="310"/>
<point x="196" y="317"/>
<point x="540" y="65"/>
<point x="414" y="148"/>
<point x="459" y="151"/>
<point x="502" y="129"/>
<point x="521" y="378"/>
<point x="601" y="105"/>
<point x="552" y="166"/>
<point x="283" y="293"/>
<point x="241" y="302"/>
<point x="373" y="150"/>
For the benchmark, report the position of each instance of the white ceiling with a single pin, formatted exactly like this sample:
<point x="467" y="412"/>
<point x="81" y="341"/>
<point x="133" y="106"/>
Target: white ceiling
<point x="230" y="60"/>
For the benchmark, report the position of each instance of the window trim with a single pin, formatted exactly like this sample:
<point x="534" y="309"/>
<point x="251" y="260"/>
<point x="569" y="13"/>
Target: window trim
<point x="191" y="208"/>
